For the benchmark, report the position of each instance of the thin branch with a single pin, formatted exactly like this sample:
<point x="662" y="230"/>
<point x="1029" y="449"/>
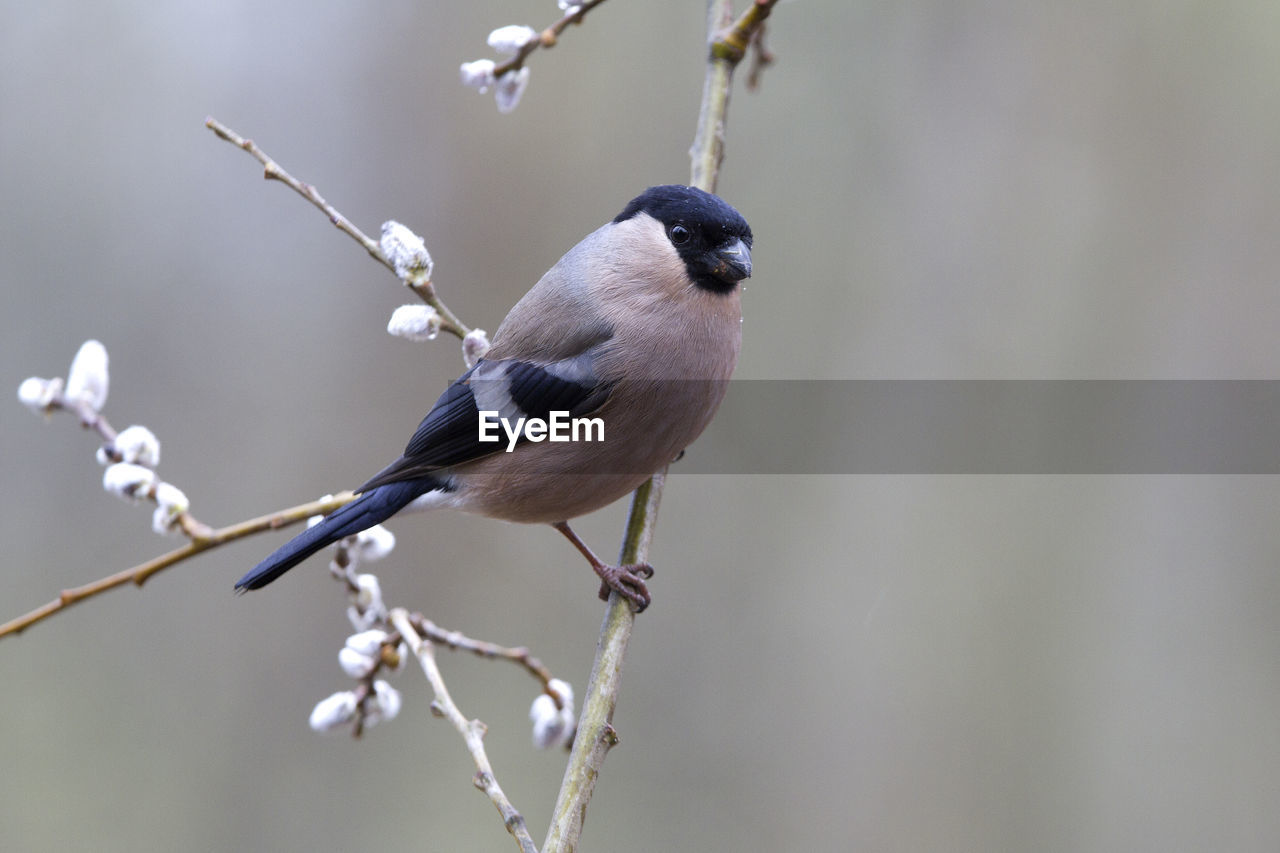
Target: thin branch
<point x="140" y="574"/>
<point x="92" y="419"/>
<point x="708" y="141"/>
<point x="273" y="171"/>
<point x="547" y="38"/>
<point x="729" y="41"/>
<point x="457" y="641"/>
<point x="89" y="419"/>
<point x="472" y="731"/>
<point x="596" y="735"/>
<point x="201" y="535"/>
<point x="732" y="43"/>
<point x="761" y="58"/>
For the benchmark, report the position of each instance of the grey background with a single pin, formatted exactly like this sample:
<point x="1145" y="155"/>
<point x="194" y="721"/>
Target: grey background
<point x="940" y="190"/>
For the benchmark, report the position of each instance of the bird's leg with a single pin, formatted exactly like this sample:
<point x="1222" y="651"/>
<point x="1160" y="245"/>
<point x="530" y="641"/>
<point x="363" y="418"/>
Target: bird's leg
<point x="627" y="581"/>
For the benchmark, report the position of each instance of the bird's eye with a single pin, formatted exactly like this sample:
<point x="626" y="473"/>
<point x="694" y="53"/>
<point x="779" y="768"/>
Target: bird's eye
<point x="680" y="235"/>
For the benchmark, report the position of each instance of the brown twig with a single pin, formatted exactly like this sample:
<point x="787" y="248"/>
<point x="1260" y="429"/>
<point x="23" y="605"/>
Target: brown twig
<point x="139" y="574"/>
<point x="456" y="641"/>
<point x="201" y="536"/>
<point x="761" y="58"/>
<point x="547" y="38"/>
<point x="472" y="731"/>
<point x="272" y="170"/>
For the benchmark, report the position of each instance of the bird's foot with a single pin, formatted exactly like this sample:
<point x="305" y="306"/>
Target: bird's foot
<point x="626" y="581"/>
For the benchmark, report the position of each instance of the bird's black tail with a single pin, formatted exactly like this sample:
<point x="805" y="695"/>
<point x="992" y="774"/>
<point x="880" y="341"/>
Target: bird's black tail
<point x="372" y="507"/>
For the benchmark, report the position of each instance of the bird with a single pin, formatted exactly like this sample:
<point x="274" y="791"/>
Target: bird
<point x="638" y="326"/>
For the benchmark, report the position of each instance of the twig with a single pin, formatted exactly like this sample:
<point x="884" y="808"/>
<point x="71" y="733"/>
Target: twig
<point x="761" y="58"/>
<point x="272" y="170"/>
<point x="595" y="730"/>
<point x="731" y="44"/>
<point x="456" y="640"/>
<point x="472" y="731"/>
<point x="139" y="574"/>
<point x="596" y="735"/>
<point x="89" y="419"/>
<point x="201" y="535"/>
<point x="729" y="40"/>
<point x="708" y="141"/>
<point x="547" y="38"/>
<point x="92" y="419"/>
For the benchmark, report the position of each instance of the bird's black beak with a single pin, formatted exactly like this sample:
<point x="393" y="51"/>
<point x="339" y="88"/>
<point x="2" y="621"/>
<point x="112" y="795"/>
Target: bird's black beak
<point x="732" y="262"/>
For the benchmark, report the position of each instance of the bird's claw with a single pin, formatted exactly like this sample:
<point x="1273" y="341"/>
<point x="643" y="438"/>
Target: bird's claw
<point x="628" y="582"/>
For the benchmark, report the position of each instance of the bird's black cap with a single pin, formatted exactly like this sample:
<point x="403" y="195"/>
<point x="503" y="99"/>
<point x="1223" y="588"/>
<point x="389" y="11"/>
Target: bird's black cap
<point x="715" y="240"/>
<point x="675" y="204"/>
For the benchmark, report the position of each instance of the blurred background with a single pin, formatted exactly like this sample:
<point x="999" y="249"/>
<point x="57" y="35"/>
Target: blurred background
<point x="939" y="190"/>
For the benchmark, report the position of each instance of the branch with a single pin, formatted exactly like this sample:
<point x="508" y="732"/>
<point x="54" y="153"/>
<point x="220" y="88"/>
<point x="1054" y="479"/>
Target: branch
<point x="729" y="41"/>
<point x="472" y="731"/>
<point x="761" y="58"/>
<point x="272" y="170"/>
<point x="547" y="38"/>
<point x="201" y="535"/>
<point x="731" y="44"/>
<point x="596" y="735"/>
<point x="140" y="574"/>
<point x="456" y="640"/>
<point x="130" y="474"/>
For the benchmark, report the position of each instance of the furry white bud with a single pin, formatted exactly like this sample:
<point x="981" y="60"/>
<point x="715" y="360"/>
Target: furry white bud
<point x="163" y="521"/>
<point x="334" y="711"/>
<point x="368" y="609"/>
<point x="355" y="664"/>
<point x="407" y="253"/>
<point x="367" y="643"/>
<point x="362" y="619"/>
<point x="478" y="74"/>
<point x="375" y="543"/>
<point x="139" y="445"/>
<point x="565" y="691"/>
<point x="474" y="346"/>
<point x="171" y="497"/>
<point x="546" y="722"/>
<point x="511" y="39"/>
<point x="568" y="5"/>
<point x="368" y="592"/>
<point x="510" y="88"/>
<point x="553" y="726"/>
<point x="87" y="380"/>
<point x="39" y="394"/>
<point x="384" y="705"/>
<point x="128" y="481"/>
<point x="170" y="503"/>
<point x="414" y="322"/>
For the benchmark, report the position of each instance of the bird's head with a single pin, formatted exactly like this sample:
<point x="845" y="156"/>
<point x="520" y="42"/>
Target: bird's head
<point x="712" y="238"/>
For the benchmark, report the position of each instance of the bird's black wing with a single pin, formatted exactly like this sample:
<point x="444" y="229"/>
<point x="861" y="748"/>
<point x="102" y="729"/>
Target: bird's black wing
<point x="450" y="433"/>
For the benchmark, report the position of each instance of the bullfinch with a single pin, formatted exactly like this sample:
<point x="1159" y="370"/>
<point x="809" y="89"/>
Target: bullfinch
<point x="634" y="333"/>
